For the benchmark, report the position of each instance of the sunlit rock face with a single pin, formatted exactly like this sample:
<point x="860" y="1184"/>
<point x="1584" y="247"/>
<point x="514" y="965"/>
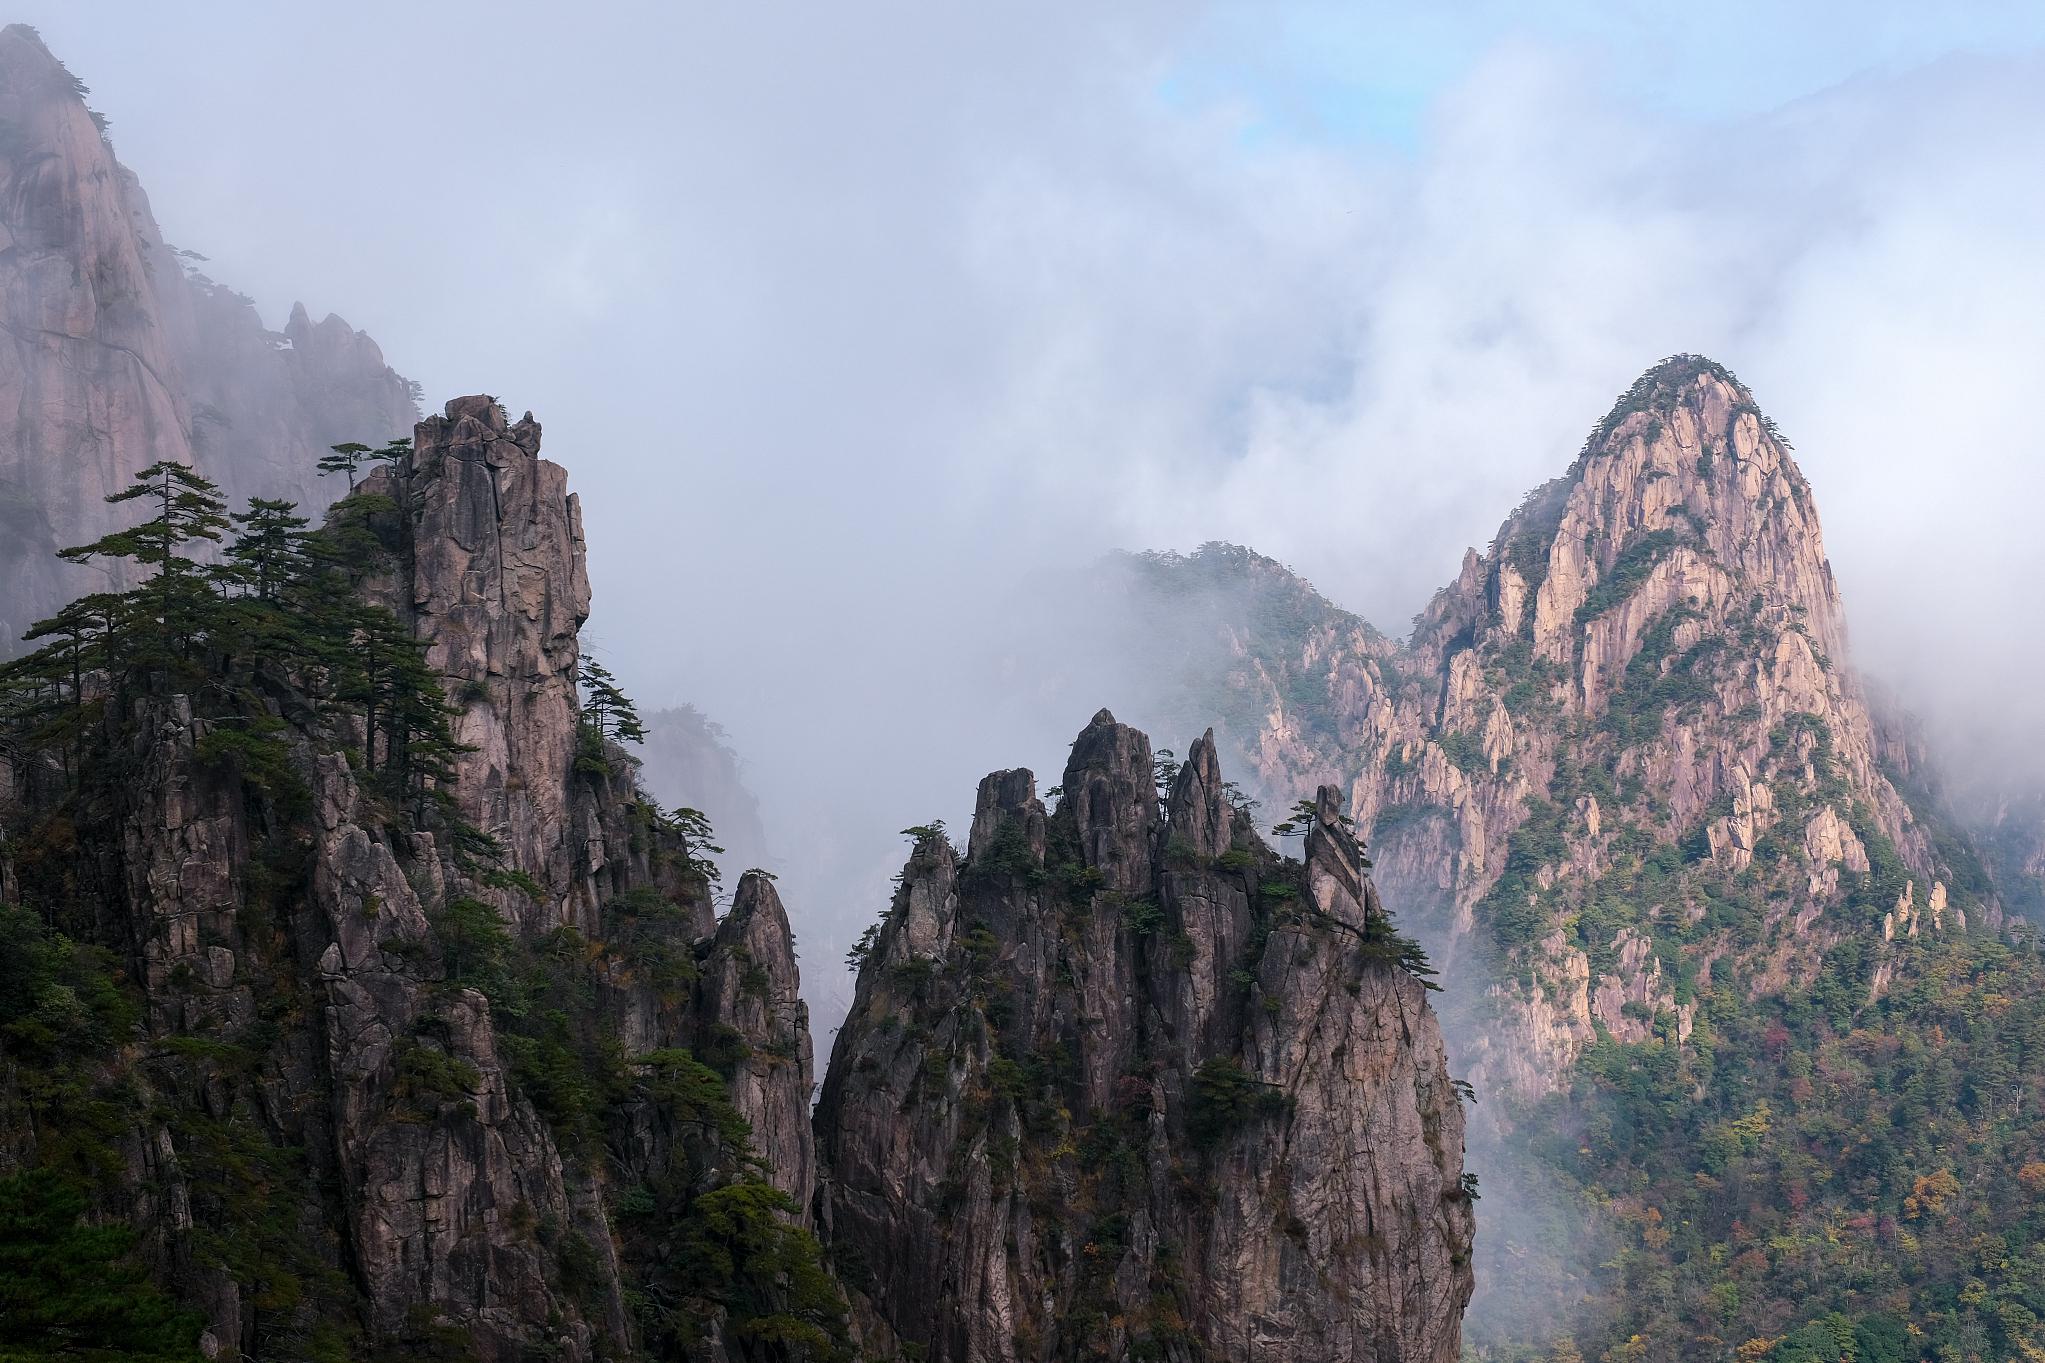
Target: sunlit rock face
<point x="116" y="351"/>
<point x="1651" y="652"/>
<point x="1623" y="760"/>
<point x="1119" y="1081"/>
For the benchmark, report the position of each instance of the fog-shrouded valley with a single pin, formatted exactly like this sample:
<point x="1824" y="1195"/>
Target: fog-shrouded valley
<point x="1230" y="683"/>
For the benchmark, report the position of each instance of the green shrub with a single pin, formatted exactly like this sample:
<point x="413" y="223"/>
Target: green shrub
<point x="72" y="1289"/>
<point x="1223" y="1099"/>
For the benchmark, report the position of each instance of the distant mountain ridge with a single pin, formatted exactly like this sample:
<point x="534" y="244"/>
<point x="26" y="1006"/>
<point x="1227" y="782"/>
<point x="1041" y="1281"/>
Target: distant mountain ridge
<point x="116" y="352"/>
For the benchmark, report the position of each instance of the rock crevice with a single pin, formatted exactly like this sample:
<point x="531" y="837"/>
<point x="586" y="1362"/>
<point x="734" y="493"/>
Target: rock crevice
<point x="1117" y="1082"/>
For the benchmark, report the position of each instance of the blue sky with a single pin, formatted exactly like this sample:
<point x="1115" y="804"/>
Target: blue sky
<point x="1321" y="72"/>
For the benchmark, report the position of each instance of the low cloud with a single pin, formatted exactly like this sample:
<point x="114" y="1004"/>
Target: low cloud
<point x="858" y="327"/>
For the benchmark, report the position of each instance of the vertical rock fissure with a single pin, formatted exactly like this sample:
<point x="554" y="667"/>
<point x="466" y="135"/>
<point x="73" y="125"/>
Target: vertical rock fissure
<point x="1039" y="1097"/>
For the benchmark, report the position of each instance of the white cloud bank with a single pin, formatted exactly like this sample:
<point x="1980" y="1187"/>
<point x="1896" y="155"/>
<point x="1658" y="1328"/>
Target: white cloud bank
<point x="847" y="318"/>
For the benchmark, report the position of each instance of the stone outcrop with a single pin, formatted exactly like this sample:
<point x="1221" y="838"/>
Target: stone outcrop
<point x="1623" y="754"/>
<point x="748" y="986"/>
<point x="115" y="352"/>
<point x="1122" y="1082"/>
<point x="496" y="584"/>
<point x="420" y="1089"/>
<point x="1652" y="645"/>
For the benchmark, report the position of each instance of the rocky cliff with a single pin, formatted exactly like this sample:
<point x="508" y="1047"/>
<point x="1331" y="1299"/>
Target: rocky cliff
<point x="117" y="352"/>
<point x="1651" y="654"/>
<point x="1120" y="1082"/>
<point x="474" y="1077"/>
<point x="1624" y="771"/>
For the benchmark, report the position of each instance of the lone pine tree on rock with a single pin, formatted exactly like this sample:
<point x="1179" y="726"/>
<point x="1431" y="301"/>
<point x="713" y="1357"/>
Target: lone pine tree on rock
<point x="350" y="457"/>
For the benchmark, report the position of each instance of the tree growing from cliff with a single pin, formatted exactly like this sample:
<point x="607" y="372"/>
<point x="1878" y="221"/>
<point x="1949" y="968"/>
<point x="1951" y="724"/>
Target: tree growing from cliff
<point x="43" y="694"/>
<point x="189" y="509"/>
<point x="1164" y="770"/>
<point x="282" y="608"/>
<point x="1301" y="822"/>
<point x="351" y="456"/>
<point x="691" y="828"/>
<point x="408" y="735"/>
<point x="606" y="710"/>
<point x="269" y="552"/>
<point x="1300" y="819"/>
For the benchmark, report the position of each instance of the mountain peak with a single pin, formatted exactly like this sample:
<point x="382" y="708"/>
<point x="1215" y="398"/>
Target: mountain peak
<point x="22" y="47"/>
<point x="1625" y="774"/>
<point x="35" y="82"/>
<point x="1684" y="496"/>
<point x="1674" y="381"/>
<point x="1109" y="1072"/>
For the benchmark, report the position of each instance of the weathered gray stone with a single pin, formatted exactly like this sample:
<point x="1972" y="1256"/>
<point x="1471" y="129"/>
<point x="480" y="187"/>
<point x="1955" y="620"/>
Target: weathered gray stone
<point x="999" y="1204"/>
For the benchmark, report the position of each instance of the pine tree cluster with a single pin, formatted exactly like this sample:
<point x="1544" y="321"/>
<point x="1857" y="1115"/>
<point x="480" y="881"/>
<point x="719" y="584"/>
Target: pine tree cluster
<point x="271" y="623"/>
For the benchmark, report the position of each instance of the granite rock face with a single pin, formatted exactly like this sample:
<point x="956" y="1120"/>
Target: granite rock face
<point x="1653" y="647"/>
<point x="116" y="352"/>
<point x="496" y="584"/>
<point x="492" y="574"/>
<point x="749" y="986"/>
<point x="416" y="1082"/>
<point x="1122" y="1081"/>
<point x="1623" y="757"/>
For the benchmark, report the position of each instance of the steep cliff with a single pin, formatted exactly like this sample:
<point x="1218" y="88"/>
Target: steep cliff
<point x="1624" y="771"/>
<point x="1650" y="655"/>
<point x="453" y="1065"/>
<point x="117" y="352"/>
<point x="1655" y="645"/>
<point x="1120" y="1082"/>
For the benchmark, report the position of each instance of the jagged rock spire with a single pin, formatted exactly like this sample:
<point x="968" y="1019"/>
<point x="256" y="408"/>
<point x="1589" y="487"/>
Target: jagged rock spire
<point x="498" y="587"/>
<point x="1197" y="814"/>
<point x="751" y="986"/>
<point x="1335" y="874"/>
<point x="1111" y="788"/>
<point x="1014" y="1019"/>
<point x="1005" y="796"/>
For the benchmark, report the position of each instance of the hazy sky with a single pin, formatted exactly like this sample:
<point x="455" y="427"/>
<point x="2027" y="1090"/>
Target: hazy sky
<point x="844" y="317"/>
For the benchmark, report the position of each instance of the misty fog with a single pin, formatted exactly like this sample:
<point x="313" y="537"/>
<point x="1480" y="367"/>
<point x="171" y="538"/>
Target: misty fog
<point x="864" y="331"/>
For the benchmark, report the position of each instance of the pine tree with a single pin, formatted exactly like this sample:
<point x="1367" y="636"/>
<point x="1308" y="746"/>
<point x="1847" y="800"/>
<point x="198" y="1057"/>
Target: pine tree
<point x="345" y="458"/>
<point x="606" y="709"/>
<point x="270" y="551"/>
<point x="1300" y="819"/>
<point x="44" y="694"/>
<point x="349" y="458"/>
<point x="407" y="733"/>
<point x="72" y="1289"/>
<point x="189" y="510"/>
<point x="691" y="828"/>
